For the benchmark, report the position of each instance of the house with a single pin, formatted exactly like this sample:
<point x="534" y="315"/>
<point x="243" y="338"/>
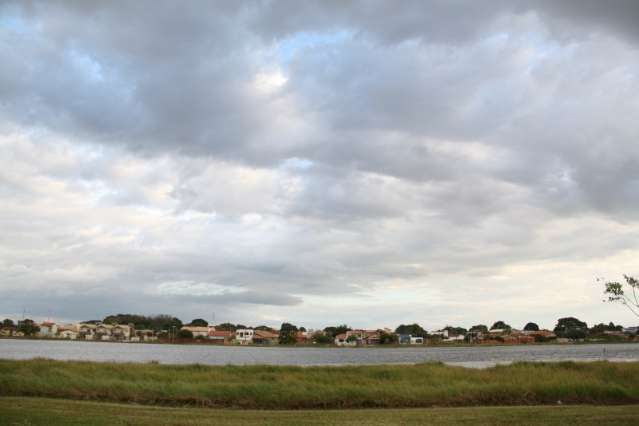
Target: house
<point x="144" y="336"/>
<point x="103" y="332"/>
<point x="302" y="337"/>
<point x="263" y="337"/>
<point x="48" y="329"/>
<point x="121" y="332"/>
<point x="454" y="339"/>
<point x="631" y="330"/>
<point x="408" y="339"/>
<point x="343" y="340"/>
<point x="222" y="337"/>
<point x="202" y="332"/>
<point x="439" y="333"/>
<point x="244" y="336"/>
<point x="87" y="331"/>
<point x="68" y="334"/>
<point x="7" y="331"/>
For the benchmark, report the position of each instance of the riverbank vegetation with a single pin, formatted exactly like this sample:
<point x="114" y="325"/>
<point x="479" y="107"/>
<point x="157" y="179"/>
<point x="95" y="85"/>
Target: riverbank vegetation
<point x="54" y="412"/>
<point x="276" y="387"/>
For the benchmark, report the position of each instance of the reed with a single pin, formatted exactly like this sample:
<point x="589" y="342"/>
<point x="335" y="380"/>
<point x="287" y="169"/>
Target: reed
<point x="277" y="387"/>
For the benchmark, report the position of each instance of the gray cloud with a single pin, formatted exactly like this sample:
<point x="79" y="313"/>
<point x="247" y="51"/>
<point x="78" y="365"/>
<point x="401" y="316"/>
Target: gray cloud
<point x="283" y="155"/>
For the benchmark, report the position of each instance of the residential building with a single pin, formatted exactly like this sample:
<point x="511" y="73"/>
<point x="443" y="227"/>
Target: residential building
<point x="244" y="336"/>
<point x="48" y="329"/>
<point x="263" y="337"/>
<point x="202" y="332"/>
<point x="87" y="331"/>
<point x="222" y="337"/>
<point x="121" y="332"/>
<point x="343" y="340"/>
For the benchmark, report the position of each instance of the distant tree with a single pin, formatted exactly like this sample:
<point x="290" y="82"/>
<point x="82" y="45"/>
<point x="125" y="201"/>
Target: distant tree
<point x="479" y="328"/>
<point x="352" y="338"/>
<point x="601" y="328"/>
<point x="625" y="293"/>
<point x="386" y="338"/>
<point x="500" y="325"/>
<point x="227" y="326"/>
<point x="91" y="322"/>
<point x="303" y="329"/>
<point x="265" y="328"/>
<point x="28" y="327"/>
<point x="571" y="328"/>
<point x="8" y="323"/>
<point x="412" y="329"/>
<point x="455" y="331"/>
<point x="199" y="322"/>
<point x="322" y="339"/>
<point x="141" y="322"/>
<point x="531" y="326"/>
<point x="334" y="331"/>
<point x="287" y="334"/>
<point x="185" y="334"/>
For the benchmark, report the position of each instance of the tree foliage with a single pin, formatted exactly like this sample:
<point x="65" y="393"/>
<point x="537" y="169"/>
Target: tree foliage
<point x="531" y="326"/>
<point x="626" y="293"/>
<point x="386" y="338"/>
<point x="413" y="329"/>
<point x="140" y="322"/>
<point x="571" y="328"/>
<point x="479" y="328"/>
<point x="455" y="331"/>
<point x="334" y="331"/>
<point x="500" y="325"/>
<point x="287" y="334"/>
<point x="199" y="322"/>
<point x="8" y="323"/>
<point x="185" y="334"/>
<point x="28" y="327"/>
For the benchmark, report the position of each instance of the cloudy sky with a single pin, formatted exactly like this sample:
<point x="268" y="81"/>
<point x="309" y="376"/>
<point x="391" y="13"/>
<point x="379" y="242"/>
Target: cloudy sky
<point x="370" y="162"/>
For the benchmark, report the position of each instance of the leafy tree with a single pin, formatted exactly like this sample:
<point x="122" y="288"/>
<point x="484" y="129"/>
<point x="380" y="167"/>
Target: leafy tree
<point x="625" y="293"/>
<point x="531" y="326"/>
<point x="140" y="322"/>
<point x="500" y="325"/>
<point x="287" y="334"/>
<point x="303" y="329"/>
<point x="227" y="326"/>
<point x="479" y="328"/>
<point x="386" y="338"/>
<point x="456" y="331"/>
<point x="334" y="331"/>
<point x="413" y="329"/>
<point x="571" y="328"/>
<point x="8" y="323"/>
<point x="323" y="339"/>
<point x="352" y="338"/>
<point x="601" y="328"/>
<point x="28" y="327"/>
<point x="185" y="334"/>
<point x="199" y="322"/>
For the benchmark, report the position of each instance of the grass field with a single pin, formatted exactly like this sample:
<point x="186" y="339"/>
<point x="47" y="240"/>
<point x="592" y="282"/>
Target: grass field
<point x="39" y="411"/>
<point x="274" y="387"/>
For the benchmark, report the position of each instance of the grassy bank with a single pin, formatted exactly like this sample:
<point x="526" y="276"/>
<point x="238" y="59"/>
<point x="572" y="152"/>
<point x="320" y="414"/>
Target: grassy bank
<point x="271" y="387"/>
<point x="37" y="411"/>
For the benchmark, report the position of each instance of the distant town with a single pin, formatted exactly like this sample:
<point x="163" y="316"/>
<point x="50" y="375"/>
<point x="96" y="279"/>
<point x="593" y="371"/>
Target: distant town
<point x="168" y="329"/>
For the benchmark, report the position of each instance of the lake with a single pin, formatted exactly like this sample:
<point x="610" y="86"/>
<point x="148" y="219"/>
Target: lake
<point x="477" y="356"/>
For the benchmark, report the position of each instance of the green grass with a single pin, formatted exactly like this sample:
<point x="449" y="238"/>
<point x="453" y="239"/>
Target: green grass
<point x="51" y="412"/>
<point x="273" y="387"/>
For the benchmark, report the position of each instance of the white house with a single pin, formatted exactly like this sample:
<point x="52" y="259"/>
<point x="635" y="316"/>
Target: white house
<point x="244" y="336"/>
<point x="48" y="329"/>
<point x="343" y="340"/>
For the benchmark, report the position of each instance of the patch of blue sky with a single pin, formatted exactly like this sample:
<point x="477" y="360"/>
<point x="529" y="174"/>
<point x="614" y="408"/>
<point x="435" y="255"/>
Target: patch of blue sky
<point x="287" y="48"/>
<point x="11" y="19"/>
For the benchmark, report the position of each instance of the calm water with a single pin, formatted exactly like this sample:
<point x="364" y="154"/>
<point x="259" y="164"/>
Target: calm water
<point x="221" y="355"/>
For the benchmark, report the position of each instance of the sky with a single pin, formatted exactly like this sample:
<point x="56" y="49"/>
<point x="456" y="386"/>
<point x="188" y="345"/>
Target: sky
<point x="319" y="162"/>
